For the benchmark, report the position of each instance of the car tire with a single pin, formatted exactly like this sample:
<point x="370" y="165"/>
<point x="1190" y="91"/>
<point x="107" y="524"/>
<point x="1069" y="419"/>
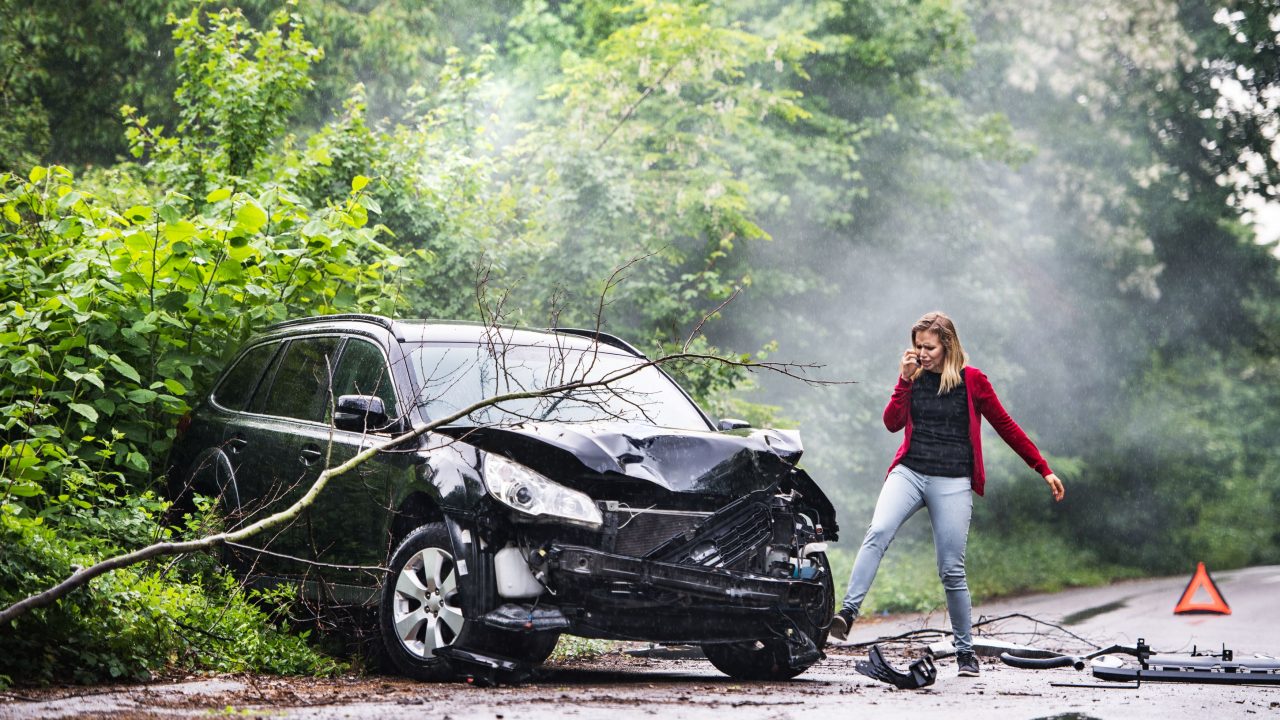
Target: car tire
<point x="767" y="659"/>
<point x="421" y="610"/>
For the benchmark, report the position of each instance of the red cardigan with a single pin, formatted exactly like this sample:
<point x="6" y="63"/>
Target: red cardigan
<point x="982" y="401"/>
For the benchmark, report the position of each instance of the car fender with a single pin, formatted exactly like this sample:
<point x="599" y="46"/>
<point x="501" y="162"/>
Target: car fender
<point x="211" y="474"/>
<point x="450" y="476"/>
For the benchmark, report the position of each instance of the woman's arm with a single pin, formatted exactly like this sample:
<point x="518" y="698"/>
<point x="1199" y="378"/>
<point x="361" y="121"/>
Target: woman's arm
<point x="988" y="404"/>
<point x="898" y="410"/>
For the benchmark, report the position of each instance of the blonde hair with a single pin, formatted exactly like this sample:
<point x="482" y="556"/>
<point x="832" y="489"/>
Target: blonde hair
<point x="954" y="357"/>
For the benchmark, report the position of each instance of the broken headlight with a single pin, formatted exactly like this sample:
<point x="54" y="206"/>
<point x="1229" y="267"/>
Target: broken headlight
<point x="534" y="494"/>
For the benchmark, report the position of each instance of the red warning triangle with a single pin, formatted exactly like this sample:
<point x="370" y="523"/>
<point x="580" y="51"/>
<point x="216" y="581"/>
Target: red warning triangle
<point x="1201" y="580"/>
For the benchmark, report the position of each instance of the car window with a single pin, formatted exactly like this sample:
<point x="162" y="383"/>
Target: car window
<point x="452" y="377"/>
<point x="239" y="382"/>
<point x="301" y="385"/>
<point x="362" y="370"/>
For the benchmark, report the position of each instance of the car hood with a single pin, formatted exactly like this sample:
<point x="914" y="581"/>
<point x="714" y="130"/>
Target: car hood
<point x="682" y="461"/>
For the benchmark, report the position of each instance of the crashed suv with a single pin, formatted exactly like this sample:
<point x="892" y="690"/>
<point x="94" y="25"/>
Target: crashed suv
<point x="616" y="511"/>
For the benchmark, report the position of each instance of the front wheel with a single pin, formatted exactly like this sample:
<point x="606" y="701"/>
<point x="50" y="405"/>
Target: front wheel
<point x="421" y="611"/>
<point x="769" y="659"/>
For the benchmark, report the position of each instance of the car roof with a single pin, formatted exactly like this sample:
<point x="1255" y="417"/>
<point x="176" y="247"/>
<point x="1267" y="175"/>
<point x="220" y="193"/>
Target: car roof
<point x="457" y="331"/>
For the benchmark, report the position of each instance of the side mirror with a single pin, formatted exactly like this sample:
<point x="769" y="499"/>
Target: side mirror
<point x="727" y="424"/>
<point x="360" y="413"/>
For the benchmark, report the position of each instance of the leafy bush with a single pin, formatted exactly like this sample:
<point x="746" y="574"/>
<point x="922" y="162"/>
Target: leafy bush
<point x="136" y="621"/>
<point x="120" y="300"/>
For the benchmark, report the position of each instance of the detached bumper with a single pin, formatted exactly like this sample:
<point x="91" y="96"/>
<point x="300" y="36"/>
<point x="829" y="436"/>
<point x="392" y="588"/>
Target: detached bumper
<point x="571" y="564"/>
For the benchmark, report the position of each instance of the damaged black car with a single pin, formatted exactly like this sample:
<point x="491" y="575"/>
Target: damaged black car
<point x="617" y="511"/>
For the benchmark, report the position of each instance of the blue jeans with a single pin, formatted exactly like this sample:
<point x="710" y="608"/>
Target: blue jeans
<point x="950" y="507"/>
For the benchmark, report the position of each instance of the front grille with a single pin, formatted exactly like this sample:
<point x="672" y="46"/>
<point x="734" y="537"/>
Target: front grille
<point x="640" y="531"/>
<point x="730" y="539"/>
<point x="733" y="540"/>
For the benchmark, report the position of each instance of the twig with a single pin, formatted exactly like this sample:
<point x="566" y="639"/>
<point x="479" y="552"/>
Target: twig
<point x="627" y="115"/>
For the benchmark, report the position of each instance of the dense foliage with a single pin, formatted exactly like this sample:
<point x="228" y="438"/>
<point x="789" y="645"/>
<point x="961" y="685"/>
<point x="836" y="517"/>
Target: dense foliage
<point x="118" y="302"/>
<point x="1072" y="182"/>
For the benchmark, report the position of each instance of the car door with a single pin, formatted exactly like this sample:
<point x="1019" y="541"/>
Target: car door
<point x="273" y="453"/>
<point x="350" y="520"/>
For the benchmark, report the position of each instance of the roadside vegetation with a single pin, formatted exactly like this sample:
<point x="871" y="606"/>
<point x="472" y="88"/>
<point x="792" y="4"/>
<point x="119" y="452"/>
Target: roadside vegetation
<point x="1067" y="179"/>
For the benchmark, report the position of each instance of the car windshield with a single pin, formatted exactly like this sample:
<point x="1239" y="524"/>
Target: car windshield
<point x="452" y="377"/>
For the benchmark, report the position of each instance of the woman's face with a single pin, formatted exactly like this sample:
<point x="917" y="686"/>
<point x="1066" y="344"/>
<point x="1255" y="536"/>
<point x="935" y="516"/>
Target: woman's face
<point x="930" y="351"/>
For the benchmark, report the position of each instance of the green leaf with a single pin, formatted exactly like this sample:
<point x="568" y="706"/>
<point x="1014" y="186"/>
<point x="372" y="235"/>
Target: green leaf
<point x="251" y="216"/>
<point x="138" y="241"/>
<point x="24" y="489"/>
<point x="178" y="231"/>
<point x="218" y="195"/>
<point x="170" y="214"/>
<point x="139" y="213"/>
<point x="124" y="369"/>
<point x="75" y="341"/>
<point x="358" y="183"/>
<point x="38" y="173"/>
<point x="136" y="461"/>
<point x="86" y="410"/>
<point x="175" y="387"/>
<point x="142" y="396"/>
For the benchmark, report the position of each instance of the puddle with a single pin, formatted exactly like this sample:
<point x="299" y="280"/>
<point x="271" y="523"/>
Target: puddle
<point x="1068" y="716"/>
<point x="1079" y="617"/>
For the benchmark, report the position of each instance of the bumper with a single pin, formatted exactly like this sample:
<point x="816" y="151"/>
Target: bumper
<point x="583" y="567"/>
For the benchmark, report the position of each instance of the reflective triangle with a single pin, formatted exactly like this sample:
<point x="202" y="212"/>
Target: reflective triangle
<point x="1201" y="580"/>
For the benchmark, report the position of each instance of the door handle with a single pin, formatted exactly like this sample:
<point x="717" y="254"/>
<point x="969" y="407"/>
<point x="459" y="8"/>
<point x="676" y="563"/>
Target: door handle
<point x="237" y="442"/>
<point x="309" y="454"/>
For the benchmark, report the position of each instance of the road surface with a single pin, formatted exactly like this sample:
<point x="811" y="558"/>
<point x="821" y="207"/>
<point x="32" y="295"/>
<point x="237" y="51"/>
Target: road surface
<point x="625" y="686"/>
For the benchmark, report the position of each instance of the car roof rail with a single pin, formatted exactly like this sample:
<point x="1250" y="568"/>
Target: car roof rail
<point x="602" y="337"/>
<point x="385" y="322"/>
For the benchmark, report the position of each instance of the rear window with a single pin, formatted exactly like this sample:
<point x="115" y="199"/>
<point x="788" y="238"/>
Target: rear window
<point x="238" y="384"/>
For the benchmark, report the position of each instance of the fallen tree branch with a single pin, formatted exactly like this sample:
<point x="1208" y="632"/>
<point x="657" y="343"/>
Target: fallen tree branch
<point x="82" y="576"/>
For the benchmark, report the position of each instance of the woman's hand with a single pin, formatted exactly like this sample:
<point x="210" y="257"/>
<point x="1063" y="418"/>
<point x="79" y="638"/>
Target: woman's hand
<point x="910" y="361"/>
<point x="1055" y="487"/>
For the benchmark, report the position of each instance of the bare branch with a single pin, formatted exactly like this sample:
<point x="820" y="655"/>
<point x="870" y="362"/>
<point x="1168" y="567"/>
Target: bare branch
<point x="631" y="110"/>
<point x="697" y="329"/>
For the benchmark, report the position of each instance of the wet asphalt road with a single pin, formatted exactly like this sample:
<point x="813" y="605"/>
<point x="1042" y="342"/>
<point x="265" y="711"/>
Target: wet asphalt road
<point x="625" y="686"/>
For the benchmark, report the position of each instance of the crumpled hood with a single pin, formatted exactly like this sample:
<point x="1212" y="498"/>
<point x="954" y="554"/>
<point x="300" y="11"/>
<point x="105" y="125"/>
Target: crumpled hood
<point x="682" y="461"/>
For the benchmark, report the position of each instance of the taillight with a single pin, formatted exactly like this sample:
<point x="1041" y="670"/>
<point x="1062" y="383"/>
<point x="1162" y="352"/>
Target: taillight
<point x="184" y="422"/>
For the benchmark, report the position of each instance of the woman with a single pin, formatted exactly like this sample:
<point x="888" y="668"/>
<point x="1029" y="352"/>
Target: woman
<point x="940" y="401"/>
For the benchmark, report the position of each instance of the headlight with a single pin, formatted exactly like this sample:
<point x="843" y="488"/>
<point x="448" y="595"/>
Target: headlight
<point x="533" y="494"/>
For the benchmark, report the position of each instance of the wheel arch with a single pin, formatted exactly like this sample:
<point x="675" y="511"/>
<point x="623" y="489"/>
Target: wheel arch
<point x="415" y="510"/>
<point x="209" y="474"/>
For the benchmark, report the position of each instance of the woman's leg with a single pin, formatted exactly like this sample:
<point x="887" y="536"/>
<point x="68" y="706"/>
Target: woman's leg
<point x="950" y="504"/>
<point x="901" y="496"/>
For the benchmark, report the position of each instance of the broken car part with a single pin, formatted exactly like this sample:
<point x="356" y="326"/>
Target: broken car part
<point x="988" y="647"/>
<point x="1222" y="668"/>
<point x="920" y="674"/>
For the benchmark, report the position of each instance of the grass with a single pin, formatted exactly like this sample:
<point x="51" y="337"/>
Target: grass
<point x="997" y="567"/>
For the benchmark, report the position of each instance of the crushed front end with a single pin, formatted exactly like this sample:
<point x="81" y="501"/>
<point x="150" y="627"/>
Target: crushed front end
<point x="751" y="571"/>
<point x="708" y="540"/>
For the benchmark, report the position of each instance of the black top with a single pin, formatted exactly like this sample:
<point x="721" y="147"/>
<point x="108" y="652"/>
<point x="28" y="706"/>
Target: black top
<point x="939" y="429"/>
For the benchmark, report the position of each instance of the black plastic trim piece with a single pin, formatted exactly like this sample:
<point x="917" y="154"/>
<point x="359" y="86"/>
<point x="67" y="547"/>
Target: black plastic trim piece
<point x="601" y="337"/>
<point x="736" y="587"/>
<point x="386" y="323"/>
